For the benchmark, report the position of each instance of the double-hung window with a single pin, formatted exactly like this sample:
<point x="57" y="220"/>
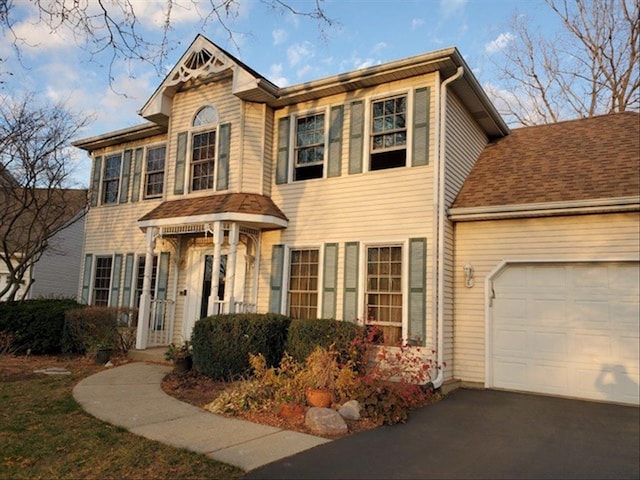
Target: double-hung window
<point x="303" y="283"/>
<point x="388" y="146"/>
<point x="102" y="282"/>
<point x="203" y="156"/>
<point x="154" y="176"/>
<point x="309" y="147"/>
<point x="111" y="179"/>
<point x="383" y="292"/>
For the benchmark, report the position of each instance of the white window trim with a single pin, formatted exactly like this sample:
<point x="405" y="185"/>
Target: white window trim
<point x="326" y="110"/>
<point x="368" y="106"/>
<point x="287" y="274"/>
<point x="92" y="281"/>
<point x="145" y="172"/>
<point x="102" y="177"/>
<point x="188" y="178"/>
<point x="362" y="278"/>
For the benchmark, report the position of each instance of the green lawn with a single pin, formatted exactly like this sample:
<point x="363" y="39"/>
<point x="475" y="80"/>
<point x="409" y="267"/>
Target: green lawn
<point x="45" y="434"/>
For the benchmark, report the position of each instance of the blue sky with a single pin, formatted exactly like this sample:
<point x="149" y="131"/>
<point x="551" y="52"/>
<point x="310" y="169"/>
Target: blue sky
<point x="285" y="48"/>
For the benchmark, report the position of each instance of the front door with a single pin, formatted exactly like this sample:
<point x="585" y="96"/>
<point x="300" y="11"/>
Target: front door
<point x="207" y="276"/>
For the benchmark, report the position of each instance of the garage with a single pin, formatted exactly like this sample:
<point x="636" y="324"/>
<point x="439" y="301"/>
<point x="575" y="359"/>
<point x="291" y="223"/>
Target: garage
<point x="569" y="329"/>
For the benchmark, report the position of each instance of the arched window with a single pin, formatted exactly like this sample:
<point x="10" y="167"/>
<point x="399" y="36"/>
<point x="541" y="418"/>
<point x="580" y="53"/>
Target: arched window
<point x="205" y="116"/>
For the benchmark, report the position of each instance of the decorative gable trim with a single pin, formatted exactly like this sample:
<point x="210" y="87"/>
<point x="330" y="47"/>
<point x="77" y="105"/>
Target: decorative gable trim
<point x="200" y="62"/>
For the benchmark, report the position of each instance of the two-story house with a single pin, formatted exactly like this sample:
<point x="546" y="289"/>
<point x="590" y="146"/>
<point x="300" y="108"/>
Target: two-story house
<point x="328" y="199"/>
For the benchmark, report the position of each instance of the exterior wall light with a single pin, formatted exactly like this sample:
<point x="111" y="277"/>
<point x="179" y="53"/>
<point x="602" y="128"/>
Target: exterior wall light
<point x="468" y="275"/>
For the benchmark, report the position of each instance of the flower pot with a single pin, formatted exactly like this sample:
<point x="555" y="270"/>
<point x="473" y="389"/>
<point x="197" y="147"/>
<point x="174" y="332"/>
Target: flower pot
<point x="182" y="364"/>
<point x="103" y="355"/>
<point x="291" y="410"/>
<point x="319" y="398"/>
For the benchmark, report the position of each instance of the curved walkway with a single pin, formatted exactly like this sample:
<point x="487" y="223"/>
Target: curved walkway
<point x="131" y="396"/>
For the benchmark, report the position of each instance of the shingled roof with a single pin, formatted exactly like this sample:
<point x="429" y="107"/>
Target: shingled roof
<point x="246" y="203"/>
<point x="578" y="160"/>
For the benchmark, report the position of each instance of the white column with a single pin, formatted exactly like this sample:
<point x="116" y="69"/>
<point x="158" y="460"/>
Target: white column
<point x="218" y="237"/>
<point x="144" y="309"/>
<point x="230" y="279"/>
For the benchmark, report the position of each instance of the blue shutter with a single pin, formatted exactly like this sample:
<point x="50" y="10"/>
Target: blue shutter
<point x="86" y="279"/>
<point x="350" y="294"/>
<point x="282" y="162"/>
<point x="126" y="175"/>
<point x="95" y="181"/>
<point x="275" y="284"/>
<point x="114" y="297"/>
<point x="334" y="168"/>
<point x="223" y="157"/>
<point x="329" y="280"/>
<point x="137" y="174"/>
<point x="356" y="137"/>
<point x="421" y="127"/>
<point x="128" y="279"/>
<point x="417" y="290"/>
<point x="181" y="158"/>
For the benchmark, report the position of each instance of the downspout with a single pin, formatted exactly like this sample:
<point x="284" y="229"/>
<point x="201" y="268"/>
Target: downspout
<point x="440" y="213"/>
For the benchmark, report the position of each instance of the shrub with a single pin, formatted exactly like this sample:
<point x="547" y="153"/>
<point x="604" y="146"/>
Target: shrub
<point x="222" y="344"/>
<point x="90" y="328"/>
<point x="35" y="325"/>
<point x="306" y="335"/>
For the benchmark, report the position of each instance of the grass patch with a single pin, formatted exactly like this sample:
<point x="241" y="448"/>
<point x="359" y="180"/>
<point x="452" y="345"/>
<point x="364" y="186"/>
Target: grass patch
<point x="45" y="434"/>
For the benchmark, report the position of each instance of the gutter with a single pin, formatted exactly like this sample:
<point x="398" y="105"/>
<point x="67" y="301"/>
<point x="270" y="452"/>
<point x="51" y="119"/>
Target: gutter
<point x="439" y="173"/>
<point x="545" y="209"/>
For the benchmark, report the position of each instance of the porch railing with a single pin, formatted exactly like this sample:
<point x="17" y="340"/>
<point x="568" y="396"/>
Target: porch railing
<point x="221" y="307"/>
<point x="159" y="323"/>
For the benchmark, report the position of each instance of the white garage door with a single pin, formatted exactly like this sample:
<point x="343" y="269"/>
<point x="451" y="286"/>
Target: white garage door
<point x="567" y="329"/>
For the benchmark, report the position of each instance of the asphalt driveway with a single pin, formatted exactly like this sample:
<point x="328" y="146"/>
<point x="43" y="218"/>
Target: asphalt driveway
<point x="482" y="434"/>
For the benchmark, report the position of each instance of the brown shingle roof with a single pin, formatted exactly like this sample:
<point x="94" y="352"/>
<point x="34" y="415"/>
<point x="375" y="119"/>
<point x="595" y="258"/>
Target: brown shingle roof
<point x="249" y="203"/>
<point x="584" y="159"/>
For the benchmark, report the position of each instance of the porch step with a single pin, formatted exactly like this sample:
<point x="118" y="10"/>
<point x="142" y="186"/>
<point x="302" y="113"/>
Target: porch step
<point x="154" y="355"/>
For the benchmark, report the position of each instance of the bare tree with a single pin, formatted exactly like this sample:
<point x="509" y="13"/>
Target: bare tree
<point x="589" y="68"/>
<point x="34" y="171"/>
<point x="113" y="26"/>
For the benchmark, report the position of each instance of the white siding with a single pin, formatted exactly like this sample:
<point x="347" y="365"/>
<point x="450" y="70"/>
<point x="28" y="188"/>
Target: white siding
<point x="485" y="244"/>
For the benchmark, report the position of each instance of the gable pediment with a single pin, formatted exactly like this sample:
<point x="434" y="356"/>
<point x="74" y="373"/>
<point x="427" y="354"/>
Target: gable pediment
<point x="202" y="60"/>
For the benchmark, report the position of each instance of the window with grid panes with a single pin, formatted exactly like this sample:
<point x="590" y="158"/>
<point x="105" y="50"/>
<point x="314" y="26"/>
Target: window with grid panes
<point x="140" y="277"/>
<point x="203" y="154"/>
<point x="389" y="133"/>
<point x="102" y="282"/>
<point x="303" y="283"/>
<point x="384" y="291"/>
<point x="309" y="148"/>
<point x="111" y="179"/>
<point x="154" y="177"/>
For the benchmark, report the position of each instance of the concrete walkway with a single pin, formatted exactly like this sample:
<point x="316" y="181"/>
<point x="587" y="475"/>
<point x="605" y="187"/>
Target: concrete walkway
<point x="130" y="396"/>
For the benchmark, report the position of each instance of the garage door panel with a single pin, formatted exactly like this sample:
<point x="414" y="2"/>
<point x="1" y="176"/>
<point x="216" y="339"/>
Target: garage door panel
<point x="509" y="341"/>
<point x="568" y="329"/>
<point x="547" y="310"/>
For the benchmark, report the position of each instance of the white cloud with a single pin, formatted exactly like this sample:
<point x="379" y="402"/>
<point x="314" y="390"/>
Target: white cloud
<point x="276" y="76"/>
<point x="499" y="43"/>
<point x="279" y="36"/>
<point x="378" y="48"/>
<point x="305" y="71"/>
<point x="416" y="23"/>
<point x="451" y="7"/>
<point x="299" y="52"/>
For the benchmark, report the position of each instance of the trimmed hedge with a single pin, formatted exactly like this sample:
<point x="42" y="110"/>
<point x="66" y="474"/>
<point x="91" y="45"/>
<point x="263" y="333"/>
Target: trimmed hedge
<point x="35" y="325"/>
<point x="305" y="335"/>
<point x="222" y="343"/>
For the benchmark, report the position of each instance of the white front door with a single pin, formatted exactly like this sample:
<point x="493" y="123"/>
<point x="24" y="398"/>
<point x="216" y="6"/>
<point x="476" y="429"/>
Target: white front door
<point x="200" y="300"/>
<point x="567" y="329"/>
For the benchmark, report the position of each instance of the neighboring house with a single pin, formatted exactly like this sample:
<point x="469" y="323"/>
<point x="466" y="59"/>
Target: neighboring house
<point x="26" y="212"/>
<point x="332" y="199"/>
<point x="57" y="273"/>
